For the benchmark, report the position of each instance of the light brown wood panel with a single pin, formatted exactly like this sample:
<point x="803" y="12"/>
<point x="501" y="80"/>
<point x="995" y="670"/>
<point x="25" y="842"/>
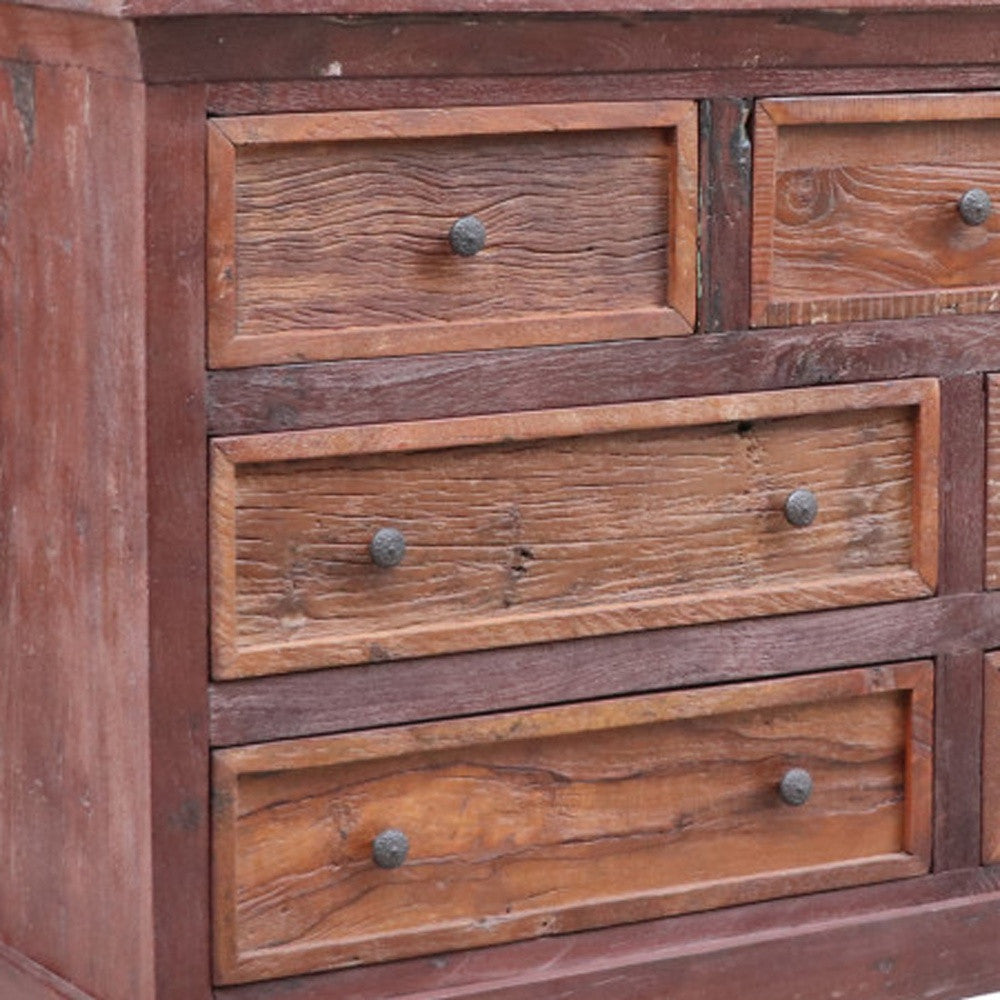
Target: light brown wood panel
<point x="855" y="207"/>
<point x="993" y="482"/>
<point x="562" y="523"/>
<point x="553" y="820"/>
<point x="328" y="233"/>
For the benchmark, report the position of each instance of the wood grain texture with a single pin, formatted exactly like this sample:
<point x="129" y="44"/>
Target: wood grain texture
<point x="239" y="48"/>
<point x="993" y="482"/>
<point x="958" y="759"/>
<point x="328" y="234"/>
<point x="177" y="539"/>
<point x="325" y="701"/>
<point x="963" y="500"/>
<point x="725" y="215"/>
<point x="30" y="35"/>
<point x="855" y="207"/>
<point x="544" y="798"/>
<point x="705" y="82"/>
<point x="855" y="943"/>
<point x="75" y="835"/>
<point x="22" y="979"/>
<point x="187" y="8"/>
<point x="253" y="401"/>
<point x="627" y="952"/>
<point x="991" y="759"/>
<point x="567" y="523"/>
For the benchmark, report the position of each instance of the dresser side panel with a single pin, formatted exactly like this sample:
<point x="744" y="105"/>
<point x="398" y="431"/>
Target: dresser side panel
<point x="74" y="770"/>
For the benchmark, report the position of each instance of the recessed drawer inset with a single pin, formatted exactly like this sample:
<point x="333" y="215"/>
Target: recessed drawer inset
<point x="875" y="207"/>
<point x="365" y="847"/>
<point x="357" y="234"/>
<point x="366" y="544"/>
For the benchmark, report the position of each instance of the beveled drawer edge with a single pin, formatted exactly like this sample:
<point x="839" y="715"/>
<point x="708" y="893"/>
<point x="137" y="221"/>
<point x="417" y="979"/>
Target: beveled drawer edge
<point x="230" y="660"/>
<point x="916" y="677"/>
<point x="888" y="109"/>
<point x="561" y="720"/>
<point x="596" y="620"/>
<point x="881" y="108"/>
<point x="429" y="123"/>
<point x="226" y="349"/>
<point x="687" y="411"/>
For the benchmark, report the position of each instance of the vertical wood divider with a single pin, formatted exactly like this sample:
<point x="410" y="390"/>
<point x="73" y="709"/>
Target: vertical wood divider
<point x="177" y="539"/>
<point x="958" y="698"/>
<point x="962" y="505"/>
<point x="724" y="248"/>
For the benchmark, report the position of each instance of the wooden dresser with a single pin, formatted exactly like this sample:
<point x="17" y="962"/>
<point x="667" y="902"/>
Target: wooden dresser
<point x="499" y="500"/>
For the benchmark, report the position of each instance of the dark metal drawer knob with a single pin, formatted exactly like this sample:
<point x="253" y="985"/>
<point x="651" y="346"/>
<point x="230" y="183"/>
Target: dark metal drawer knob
<point x="974" y="207"/>
<point x="801" y="508"/>
<point x="390" y="848"/>
<point x="387" y="548"/>
<point x="796" y="787"/>
<point x="467" y="236"/>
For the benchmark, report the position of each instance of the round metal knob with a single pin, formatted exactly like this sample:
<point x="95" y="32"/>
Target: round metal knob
<point x="467" y="236"/>
<point x="390" y="848"/>
<point x="801" y="508"/>
<point x="387" y="548"/>
<point x="974" y="207"/>
<point x="796" y="786"/>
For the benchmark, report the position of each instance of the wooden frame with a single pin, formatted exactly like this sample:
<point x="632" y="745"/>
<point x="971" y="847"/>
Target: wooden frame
<point x="993" y="482"/>
<point x="991" y="759"/>
<point x="775" y="114"/>
<point x="608" y="719"/>
<point x="230" y="659"/>
<point x="227" y="136"/>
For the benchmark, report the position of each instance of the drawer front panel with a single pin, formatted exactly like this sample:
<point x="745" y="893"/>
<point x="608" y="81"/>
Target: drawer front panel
<point x="554" y="524"/>
<point x="856" y="208"/>
<point x="329" y="234"/>
<point x="553" y="820"/>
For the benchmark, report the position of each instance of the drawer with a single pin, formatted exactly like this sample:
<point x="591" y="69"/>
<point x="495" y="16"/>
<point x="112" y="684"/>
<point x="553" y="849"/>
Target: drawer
<point x="867" y="207"/>
<point x="358" y="234"/>
<point x="544" y="525"/>
<point x="554" y="820"/>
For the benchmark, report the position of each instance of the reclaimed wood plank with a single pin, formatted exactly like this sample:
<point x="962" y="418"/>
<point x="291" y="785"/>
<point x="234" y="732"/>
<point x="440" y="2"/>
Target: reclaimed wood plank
<point x="958" y="759"/>
<point x="307" y="704"/>
<point x="646" y="959"/>
<point x="30" y="36"/>
<point x="963" y="468"/>
<point x="855" y="207"/>
<point x="303" y="48"/>
<point x="177" y="540"/>
<point x="328" y="233"/>
<point x="712" y="828"/>
<point x="75" y="837"/>
<point x="991" y="759"/>
<point x="725" y="214"/>
<point x="283" y="96"/>
<point x="506" y="559"/>
<point x="251" y="401"/>
<point x="993" y="482"/>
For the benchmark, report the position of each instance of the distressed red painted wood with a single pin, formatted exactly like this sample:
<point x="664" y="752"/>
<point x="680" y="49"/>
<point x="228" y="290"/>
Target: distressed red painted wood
<point x="113" y="116"/>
